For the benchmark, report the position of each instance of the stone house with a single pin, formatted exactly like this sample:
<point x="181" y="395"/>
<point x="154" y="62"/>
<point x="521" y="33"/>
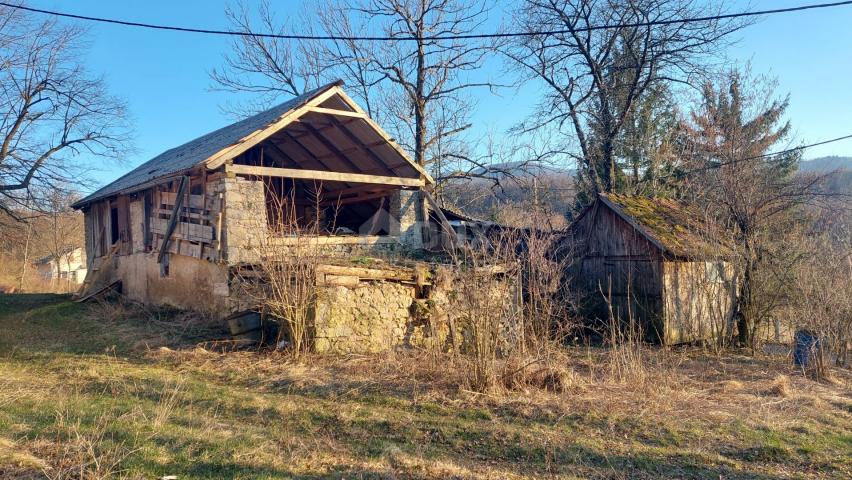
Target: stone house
<point x="653" y="263"/>
<point x="182" y="228"/>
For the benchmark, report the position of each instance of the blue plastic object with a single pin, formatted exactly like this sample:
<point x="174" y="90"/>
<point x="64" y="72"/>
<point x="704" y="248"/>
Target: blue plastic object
<point x="805" y="348"/>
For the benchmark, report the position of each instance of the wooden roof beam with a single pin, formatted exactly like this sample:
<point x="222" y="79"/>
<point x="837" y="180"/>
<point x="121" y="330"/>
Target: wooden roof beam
<point x="331" y="147"/>
<point x="336" y="112"/>
<point x="358" y="142"/>
<point x="323" y="175"/>
<point x="307" y="151"/>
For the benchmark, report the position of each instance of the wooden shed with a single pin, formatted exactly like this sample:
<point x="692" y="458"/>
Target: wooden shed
<point x="652" y="263"/>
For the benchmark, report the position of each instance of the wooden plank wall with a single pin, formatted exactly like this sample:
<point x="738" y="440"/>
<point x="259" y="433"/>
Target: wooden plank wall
<point x="195" y="234"/>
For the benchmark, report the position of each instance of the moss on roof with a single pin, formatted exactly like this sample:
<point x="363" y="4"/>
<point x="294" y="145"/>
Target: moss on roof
<point x="681" y="229"/>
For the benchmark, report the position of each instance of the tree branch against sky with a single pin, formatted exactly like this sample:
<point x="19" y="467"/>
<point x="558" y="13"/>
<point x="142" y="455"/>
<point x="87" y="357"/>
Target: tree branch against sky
<point x="421" y="90"/>
<point x="592" y="80"/>
<point x="51" y="111"/>
<point x="758" y="199"/>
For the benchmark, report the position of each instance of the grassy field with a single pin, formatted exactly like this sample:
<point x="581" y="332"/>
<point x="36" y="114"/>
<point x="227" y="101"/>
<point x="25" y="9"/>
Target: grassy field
<point x="112" y="391"/>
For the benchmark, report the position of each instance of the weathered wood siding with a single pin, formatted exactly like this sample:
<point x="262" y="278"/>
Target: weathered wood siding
<point x="618" y="263"/>
<point x="195" y="279"/>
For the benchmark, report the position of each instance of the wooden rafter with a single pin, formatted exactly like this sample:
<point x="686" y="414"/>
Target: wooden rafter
<point x="219" y="158"/>
<point x="331" y="147"/>
<point x="357" y="114"/>
<point x="361" y="145"/>
<point x="336" y="112"/>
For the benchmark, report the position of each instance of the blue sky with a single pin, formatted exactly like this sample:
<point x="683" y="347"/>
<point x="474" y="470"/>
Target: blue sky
<point x="163" y="75"/>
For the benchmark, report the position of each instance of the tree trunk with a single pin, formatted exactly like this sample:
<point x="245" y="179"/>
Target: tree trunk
<point x="743" y="310"/>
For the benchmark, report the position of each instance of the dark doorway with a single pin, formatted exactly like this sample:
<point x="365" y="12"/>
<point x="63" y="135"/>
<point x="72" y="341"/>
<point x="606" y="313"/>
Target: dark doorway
<point x="113" y="224"/>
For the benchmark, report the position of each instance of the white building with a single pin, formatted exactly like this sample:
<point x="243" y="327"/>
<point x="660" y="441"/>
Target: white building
<point x="70" y="266"/>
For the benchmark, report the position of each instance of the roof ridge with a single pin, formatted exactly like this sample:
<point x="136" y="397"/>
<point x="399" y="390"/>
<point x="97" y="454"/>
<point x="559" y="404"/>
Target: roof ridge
<point x="168" y="163"/>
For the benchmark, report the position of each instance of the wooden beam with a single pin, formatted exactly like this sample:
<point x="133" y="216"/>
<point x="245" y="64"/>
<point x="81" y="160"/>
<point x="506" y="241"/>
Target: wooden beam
<point x="358" y="189"/>
<point x="445" y="224"/>
<point x="339" y="113"/>
<point x="219" y="158"/>
<point x="360" y="144"/>
<point x="276" y="150"/>
<point x="323" y="175"/>
<point x="331" y="202"/>
<point x="170" y="228"/>
<point x="306" y="150"/>
<point x="331" y="147"/>
<point x="354" y="106"/>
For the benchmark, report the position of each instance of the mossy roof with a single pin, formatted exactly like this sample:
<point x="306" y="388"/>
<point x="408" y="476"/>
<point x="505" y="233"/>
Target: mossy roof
<point x="678" y="229"/>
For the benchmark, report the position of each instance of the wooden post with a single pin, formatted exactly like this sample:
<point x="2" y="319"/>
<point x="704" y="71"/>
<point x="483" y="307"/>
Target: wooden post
<point x="445" y="224"/>
<point x="170" y="229"/>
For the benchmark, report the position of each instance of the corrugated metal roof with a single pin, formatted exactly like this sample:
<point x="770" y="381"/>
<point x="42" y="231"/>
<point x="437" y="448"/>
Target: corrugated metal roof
<point x="194" y="152"/>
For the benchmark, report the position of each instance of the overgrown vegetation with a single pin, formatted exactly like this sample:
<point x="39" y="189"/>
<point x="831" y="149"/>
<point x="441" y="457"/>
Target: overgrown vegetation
<point x="125" y="393"/>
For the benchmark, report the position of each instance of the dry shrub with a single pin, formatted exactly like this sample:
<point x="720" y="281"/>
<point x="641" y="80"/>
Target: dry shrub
<point x="548" y="371"/>
<point x="17" y="462"/>
<point x="284" y="282"/>
<point x="732" y="386"/>
<point x="626" y="359"/>
<point x="170" y="398"/>
<point x="780" y="386"/>
<point x="153" y="326"/>
<point x="516" y="318"/>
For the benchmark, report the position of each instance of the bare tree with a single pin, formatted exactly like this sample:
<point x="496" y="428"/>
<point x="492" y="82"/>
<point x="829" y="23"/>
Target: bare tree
<point x="51" y="110"/>
<point x="60" y="233"/>
<point x="593" y="78"/>
<point x="822" y="299"/>
<point x="756" y="196"/>
<point x="417" y="87"/>
<point x="269" y="68"/>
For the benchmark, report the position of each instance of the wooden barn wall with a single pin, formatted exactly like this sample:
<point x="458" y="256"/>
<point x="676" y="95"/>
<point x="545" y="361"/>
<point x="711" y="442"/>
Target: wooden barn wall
<point x="195" y="279"/>
<point x="617" y="262"/>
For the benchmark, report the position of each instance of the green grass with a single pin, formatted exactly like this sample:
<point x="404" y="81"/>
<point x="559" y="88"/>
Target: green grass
<point x="76" y="386"/>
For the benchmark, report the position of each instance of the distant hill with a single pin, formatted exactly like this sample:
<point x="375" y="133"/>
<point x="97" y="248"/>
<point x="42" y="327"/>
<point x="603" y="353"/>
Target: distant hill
<point x="825" y="164"/>
<point x="839" y="170"/>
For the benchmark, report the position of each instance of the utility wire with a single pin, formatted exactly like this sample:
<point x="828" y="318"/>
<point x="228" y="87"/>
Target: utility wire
<point x="801" y="147"/>
<point x="439" y="37"/>
<point x="757" y="157"/>
<point x="740" y="160"/>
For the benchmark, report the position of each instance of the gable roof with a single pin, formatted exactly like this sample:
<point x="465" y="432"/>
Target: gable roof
<point x="215" y="147"/>
<point x="677" y="229"/>
<point x="64" y="251"/>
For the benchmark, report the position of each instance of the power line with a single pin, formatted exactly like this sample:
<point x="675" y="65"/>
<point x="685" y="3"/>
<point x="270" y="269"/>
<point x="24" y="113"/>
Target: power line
<point x="409" y="38"/>
<point x="765" y="155"/>
<point x="756" y="157"/>
<point x="801" y="147"/>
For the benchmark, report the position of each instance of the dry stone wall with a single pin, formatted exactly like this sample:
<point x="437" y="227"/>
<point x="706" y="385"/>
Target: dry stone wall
<point x="360" y="316"/>
<point x="372" y="317"/>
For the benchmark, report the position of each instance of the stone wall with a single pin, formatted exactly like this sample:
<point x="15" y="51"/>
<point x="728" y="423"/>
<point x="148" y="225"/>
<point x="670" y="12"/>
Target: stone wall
<point x="404" y="208"/>
<point x="358" y="316"/>
<point x="244" y="223"/>
<point x="372" y="317"/>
